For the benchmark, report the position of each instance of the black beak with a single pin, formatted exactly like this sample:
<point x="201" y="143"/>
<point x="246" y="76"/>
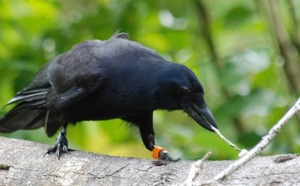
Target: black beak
<point x="202" y="115"/>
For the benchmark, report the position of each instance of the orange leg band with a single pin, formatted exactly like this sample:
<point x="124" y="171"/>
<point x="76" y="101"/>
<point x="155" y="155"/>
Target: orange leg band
<point x="156" y="152"/>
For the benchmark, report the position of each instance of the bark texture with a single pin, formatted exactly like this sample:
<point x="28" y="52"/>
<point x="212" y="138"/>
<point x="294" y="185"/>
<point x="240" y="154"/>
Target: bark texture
<point x="22" y="163"/>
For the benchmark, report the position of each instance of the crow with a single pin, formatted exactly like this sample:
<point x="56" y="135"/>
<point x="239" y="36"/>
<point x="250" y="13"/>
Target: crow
<point x="102" y="80"/>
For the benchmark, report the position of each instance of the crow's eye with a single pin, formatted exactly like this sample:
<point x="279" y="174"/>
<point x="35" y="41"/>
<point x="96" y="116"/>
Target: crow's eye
<point x="184" y="91"/>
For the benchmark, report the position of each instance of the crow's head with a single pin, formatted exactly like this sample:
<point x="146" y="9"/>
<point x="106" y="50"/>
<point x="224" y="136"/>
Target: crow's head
<point x="180" y="89"/>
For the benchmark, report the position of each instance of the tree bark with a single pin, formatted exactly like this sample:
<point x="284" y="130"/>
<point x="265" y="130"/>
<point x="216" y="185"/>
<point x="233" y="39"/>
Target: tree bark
<point x="22" y="163"/>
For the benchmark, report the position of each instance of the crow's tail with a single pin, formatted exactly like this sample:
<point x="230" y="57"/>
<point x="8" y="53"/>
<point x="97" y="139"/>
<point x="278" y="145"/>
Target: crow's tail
<point x="22" y="119"/>
<point x="31" y="119"/>
<point x="30" y="113"/>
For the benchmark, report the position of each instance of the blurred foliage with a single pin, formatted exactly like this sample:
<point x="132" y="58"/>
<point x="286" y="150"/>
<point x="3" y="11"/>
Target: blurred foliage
<point x="248" y="68"/>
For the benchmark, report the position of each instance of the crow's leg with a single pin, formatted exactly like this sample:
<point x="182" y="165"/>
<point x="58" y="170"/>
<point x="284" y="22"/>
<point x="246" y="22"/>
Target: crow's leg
<point x="145" y="124"/>
<point x="159" y="153"/>
<point x="61" y="145"/>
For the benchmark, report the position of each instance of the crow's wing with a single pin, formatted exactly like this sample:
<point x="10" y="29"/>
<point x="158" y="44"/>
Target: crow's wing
<point x="33" y="96"/>
<point x="60" y="84"/>
<point x="80" y="71"/>
<point x="65" y="80"/>
<point x="75" y="74"/>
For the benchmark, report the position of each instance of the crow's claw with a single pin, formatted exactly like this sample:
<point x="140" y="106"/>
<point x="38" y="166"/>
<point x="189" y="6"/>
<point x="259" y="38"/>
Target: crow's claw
<point x="165" y="156"/>
<point x="165" y="160"/>
<point x="58" y="149"/>
<point x="61" y="145"/>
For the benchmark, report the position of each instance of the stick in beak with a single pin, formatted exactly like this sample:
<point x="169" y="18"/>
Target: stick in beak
<point x="204" y="117"/>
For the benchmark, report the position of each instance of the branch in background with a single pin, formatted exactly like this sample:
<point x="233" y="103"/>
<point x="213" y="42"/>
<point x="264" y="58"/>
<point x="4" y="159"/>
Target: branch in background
<point x="206" y="30"/>
<point x="287" y="51"/>
<point x="295" y="24"/>
<point x="291" y="67"/>
<point x="205" y="22"/>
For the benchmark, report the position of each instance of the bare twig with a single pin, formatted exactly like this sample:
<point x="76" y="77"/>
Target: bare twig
<point x="195" y="170"/>
<point x="266" y="140"/>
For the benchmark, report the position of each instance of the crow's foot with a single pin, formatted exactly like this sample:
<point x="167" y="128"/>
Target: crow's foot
<point x="61" y="145"/>
<point x="163" y="156"/>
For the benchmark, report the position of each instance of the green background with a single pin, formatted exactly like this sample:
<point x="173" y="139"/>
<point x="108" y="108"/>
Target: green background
<point x="245" y="53"/>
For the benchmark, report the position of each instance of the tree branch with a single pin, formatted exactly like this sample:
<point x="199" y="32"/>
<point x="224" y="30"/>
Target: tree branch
<point x="22" y="163"/>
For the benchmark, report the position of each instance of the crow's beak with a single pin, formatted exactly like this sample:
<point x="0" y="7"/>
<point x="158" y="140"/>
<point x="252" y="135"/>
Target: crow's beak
<point x="201" y="114"/>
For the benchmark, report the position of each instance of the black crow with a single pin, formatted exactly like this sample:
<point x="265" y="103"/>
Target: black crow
<point x="101" y="80"/>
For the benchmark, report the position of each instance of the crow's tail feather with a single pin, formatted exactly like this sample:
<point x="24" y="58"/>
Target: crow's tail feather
<point x="31" y="113"/>
<point x="27" y="119"/>
<point x="22" y="119"/>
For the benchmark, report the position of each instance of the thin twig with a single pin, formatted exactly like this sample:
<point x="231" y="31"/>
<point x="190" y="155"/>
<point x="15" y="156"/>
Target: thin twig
<point x="266" y="140"/>
<point x="195" y="170"/>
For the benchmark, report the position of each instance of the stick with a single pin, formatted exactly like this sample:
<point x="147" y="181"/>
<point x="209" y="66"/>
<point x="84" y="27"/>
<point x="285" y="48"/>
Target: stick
<point x="225" y="139"/>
